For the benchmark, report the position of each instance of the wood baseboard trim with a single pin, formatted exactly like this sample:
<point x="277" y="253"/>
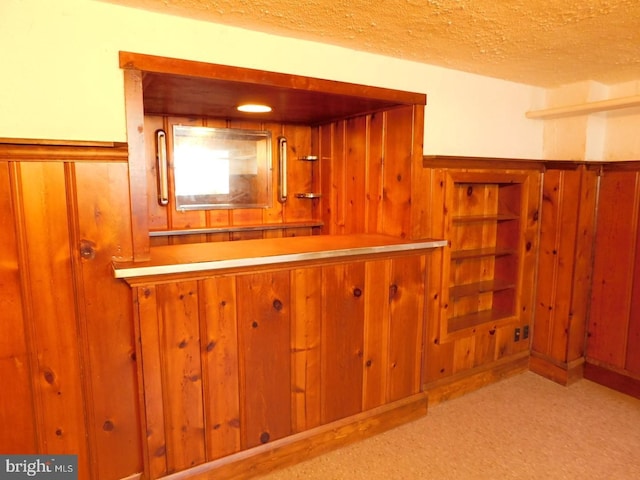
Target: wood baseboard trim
<point x="468" y="381"/>
<point x="612" y="379"/>
<point x="562" y="373"/>
<point x="302" y="446"/>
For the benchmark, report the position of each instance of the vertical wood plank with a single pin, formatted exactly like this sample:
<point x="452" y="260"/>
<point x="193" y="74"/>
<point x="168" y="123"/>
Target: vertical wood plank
<point x="397" y="172"/>
<point x="528" y="244"/>
<point x="327" y="204"/>
<point x="150" y="368"/>
<point x="264" y="329"/>
<point x="219" y="346"/>
<point x="137" y="163"/>
<point x="419" y="178"/>
<point x="99" y="194"/>
<point x="547" y="262"/>
<point x="342" y="339"/>
<point x="615" y="245"/>
<point x="376" y="334"/>
<point x="632" y="360"/>
<point x="374" y="173"/>
<point x="505" y="345"/>
<point x="17" y="415"/>
<point x="406" y="311"/>
<point x="49" y="292"/>
<point x="299" y="173"/>
<point x="338" y="180"/>
<point x="565" y="253"/>
<point x="306" y="323"/>
<point x="583" y="264"/>
<point x="485" y="348"/>
<point x="355" y="171"/>
<point x="182" y="374"/>
<point x="438" y="357"/>
<point x="463" y="354"/>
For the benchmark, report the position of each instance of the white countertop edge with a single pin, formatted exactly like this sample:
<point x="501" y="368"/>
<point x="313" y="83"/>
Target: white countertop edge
<point x="134" y="272"/>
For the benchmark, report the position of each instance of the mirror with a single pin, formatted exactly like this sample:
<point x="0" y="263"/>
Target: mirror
<point x="221" y="168"/>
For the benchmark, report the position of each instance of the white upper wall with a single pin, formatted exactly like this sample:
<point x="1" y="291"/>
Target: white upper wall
<point x="61" y="80"/>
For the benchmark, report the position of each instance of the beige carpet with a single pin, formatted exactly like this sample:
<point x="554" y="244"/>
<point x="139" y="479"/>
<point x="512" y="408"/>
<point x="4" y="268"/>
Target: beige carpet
<point x="524" y="427"/>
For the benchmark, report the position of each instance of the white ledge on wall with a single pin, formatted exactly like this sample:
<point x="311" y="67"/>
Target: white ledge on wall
<point x="585" y="108"/>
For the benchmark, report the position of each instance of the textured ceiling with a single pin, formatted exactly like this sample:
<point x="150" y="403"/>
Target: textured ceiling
<point x="545" y="43"/>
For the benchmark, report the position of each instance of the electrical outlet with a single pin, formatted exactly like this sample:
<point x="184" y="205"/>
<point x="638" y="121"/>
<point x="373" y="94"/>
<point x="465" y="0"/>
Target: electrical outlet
<point x="525" y="332"/>
<point x="516" y="334"/>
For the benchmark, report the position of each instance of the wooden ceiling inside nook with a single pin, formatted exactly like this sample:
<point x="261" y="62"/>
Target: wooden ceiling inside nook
<point x="188" y="88"/>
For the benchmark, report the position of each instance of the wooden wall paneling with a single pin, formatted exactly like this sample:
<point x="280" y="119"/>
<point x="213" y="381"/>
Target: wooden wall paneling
<point x="374" y="173"/>
<point x="398" y="172"/>
<point x="420" y="208"/>
<point x="306" y="329"/>
<point x="220" y="365"/>
<point x="17" y="414"/>
<point x="375" y="391"/>
<point x="98" y="193"/>
<point x="583" y="266"/>
<point x="48" y="290"/>
<point x="616" y="236"/>
<point x="182" y="374"/>
<point x="264" y="327"/>
<point x="486" y="348"/>
<point x="464" y="354"/>
<point x="328" y="205"/>
<point x="316" y="178"/>
<point x="438" y="357"/>
<point x="299" y="173"/>
<point x="184" y="219"/>
<point x="564" y="262"/>
<point x="632" y="361"/>
<point x="505" y="343"/>
<point x="406" y="310"/>
<point x="343" y="299"/>
<point x="530" y="219"/>
<point x="148" y="333"/>
<point x="355" y="170"/>
<point x="138" y="193"/>
<point x="337" y="216"/>
<point x="547" y="262"/>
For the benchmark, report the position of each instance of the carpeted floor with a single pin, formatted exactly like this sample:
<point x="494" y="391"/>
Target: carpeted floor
<point x="524" y="427"/>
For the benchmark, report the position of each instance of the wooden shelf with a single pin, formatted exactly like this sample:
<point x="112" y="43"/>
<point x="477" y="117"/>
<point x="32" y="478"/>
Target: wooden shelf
<point x="475" y="319"/>
<point x="486" y="286"/>
<point x="236" y="228"/>
<point x="585" y="108"/>
<point x="486" y="224"/>
<point x="481" y="252"/>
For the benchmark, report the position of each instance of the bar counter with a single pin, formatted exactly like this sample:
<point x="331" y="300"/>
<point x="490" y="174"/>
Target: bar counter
<point x="201" y="257"/>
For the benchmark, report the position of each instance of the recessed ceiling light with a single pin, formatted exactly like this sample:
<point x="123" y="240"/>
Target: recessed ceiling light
<point x="254" y="108"/>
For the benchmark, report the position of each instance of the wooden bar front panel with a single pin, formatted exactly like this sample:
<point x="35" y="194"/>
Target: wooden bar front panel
<point x="231" y="362"/>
